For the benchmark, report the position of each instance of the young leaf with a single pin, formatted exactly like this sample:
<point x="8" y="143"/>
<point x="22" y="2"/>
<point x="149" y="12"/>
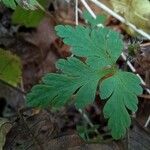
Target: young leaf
<point x="121" y="90"/>
<point x="10" y="67"/>
<point x="56" y="89"/>
<point x="92" y="21"/>
<point x="101" y="46"/>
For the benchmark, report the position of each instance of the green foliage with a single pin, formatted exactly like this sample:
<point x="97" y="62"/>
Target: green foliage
<point x="121" y="90"/>
<point x="28" y="18"/>
<point x="10" y="67"/>
<point x="92" y="21"/>
<point x="76" y="75"/>
<point x="101" y="47"/>
<point x="27" y="4"/>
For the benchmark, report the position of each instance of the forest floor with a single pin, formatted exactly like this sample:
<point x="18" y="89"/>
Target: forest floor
<point x="39" y="48"/>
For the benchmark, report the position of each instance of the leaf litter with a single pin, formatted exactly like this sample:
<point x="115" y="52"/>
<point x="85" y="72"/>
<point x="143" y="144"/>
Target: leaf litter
<point x="30" y="45"/>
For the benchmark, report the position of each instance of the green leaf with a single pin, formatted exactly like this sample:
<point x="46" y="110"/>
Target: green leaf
<point x="101" y="46"/>
<point x="57" y="89"/>
<point x="28" y="18"/>
<point x="100" y="19"/>
<point x="27" y="4"/>
<point x="121" y="90"/>
<point x="10" y="68"/>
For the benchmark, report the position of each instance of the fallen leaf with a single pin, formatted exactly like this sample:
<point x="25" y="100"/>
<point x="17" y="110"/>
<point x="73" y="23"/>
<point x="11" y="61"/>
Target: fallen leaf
<point x="5" y="127"/>
<point x="10" y="67"/>
<point x="135" y="11"/>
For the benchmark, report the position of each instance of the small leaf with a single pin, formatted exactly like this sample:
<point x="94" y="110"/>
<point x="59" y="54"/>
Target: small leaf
<point x="10" y="67"/>
<point x="100" y="46"/>
<point x="92" y="21"/>
<point x="121" y="90"/>
<point x="57" y="89"/>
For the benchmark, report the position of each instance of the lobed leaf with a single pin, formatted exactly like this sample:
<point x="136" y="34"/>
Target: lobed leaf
<point x="101" y="46"/>
<point x="57" y="89"/>
<point x="121" y="90"/>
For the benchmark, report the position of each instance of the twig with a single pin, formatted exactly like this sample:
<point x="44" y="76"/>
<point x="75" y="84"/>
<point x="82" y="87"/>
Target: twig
<point x="147" y="122"/>
<point x="76" y="13"/>
<point x="147" y="97"/>
<point x="86" y="118"/>
<point x="88" y="8"/>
